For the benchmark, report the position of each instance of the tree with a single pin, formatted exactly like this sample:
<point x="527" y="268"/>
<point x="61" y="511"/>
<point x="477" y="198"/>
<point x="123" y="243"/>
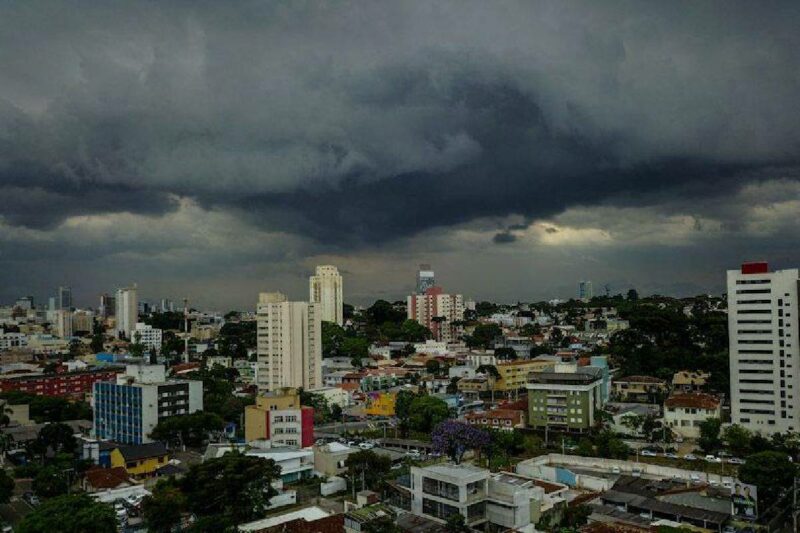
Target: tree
<point x="633" y="295"/>
<point x="506" y="354"/>
<point x="771" y="472"/>
<point x="709" y="440"/>
<point x="484" y="335"/>
<point x="97" y="343"/>
<point x="576" y="516"/>
<point x="456" y="524"/>
<point x="426" y="412"/>
<point x="454" y="438"/>
<point x="413" y="331"/>
<point x="402" y="410"/>
<point x="54" y="439"/>
<point x="432" y="366"/>
<point x="370" y="465"/>
<point x="192" y="429"/>
<point x="50" y="482"/>
<point x="229" y="490"/>
<point x="162" y="510"/>
<point x="6" y="487"/>
<point x="738" y="439"/>
<point x="75" y="513"/>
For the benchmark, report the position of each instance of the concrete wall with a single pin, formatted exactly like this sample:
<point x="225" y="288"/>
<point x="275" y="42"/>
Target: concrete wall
<point x="333" y="485"/>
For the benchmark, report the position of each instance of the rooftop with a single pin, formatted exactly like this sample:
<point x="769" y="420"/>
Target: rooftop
<point x="694" y="400"/>
<point x="308" y="513"/>
<point x="640" y="379"/>
<point x="143" y="451"/>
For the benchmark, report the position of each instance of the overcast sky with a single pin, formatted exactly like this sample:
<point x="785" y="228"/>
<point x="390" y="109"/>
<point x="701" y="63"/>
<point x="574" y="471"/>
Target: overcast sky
<point x="218" y="149"/>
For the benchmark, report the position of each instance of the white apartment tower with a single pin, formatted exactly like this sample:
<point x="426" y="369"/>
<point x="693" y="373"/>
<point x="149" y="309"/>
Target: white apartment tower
<point x="289" y="346"/>
<point x="127" y="311"/>
<point x="325" y="289"/>
<point x="764" y="350"/>
<point x="439" y="312"/>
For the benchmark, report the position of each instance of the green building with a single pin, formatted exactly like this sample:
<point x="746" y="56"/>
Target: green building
<point x="565" y="400"/>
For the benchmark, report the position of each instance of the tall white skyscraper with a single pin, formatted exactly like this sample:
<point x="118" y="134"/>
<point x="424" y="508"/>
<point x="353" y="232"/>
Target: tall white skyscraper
<point x="764" y="351"/>
<point x="289" y="343"/>
<point x="325" y="289"/>
<point x="127" y="311"/>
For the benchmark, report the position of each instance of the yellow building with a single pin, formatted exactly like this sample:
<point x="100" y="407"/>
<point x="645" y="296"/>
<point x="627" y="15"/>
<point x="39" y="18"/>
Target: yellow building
<point x="140" y="460"/>
<point x="514" y="374"/>
<point x="382" y="405"/>
<point x="256" y="417"/>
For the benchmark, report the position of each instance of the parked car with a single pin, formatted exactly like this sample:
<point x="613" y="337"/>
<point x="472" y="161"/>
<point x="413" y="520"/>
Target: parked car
<point x="649" y="453"/>
<point x="712" y="459"/>
<point x="366" y="445"/>
<point x="735" y="461"/>
<point x="670" y="455"/>
<point x="690" y="457"/>
<point x="413" y="453"/>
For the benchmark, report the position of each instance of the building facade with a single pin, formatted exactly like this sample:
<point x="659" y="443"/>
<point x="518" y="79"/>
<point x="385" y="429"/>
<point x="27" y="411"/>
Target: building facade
<point x="127" y="410"/>
<point x="565" y="400"/>
<point x="685" y="412"/>
<point x="127" y="311"/>
<point x="325" y="289"/>
<point x="425" y="278"/>
<point x="289" y="343"/>
<point x="437" y="311"/>
<point x="764" y="348"/>
<point x="147" y="335"/>
<point x="67" y="385"/>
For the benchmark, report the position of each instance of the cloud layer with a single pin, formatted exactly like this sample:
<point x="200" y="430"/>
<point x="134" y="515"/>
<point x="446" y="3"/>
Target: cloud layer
<point x="352" y="129"/>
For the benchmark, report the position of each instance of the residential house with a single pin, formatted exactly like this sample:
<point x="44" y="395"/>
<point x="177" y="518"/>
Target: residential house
<point x="639" y="389"/>
<point x="690" y="380"/>
<point x="684" y="412"/>
<point x="140" y="461"/>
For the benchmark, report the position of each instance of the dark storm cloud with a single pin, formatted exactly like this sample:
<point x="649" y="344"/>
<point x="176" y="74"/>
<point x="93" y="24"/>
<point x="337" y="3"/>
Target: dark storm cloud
<point x="361" y="123"/>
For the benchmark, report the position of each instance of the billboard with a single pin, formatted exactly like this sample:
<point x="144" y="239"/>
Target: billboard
<point x="744" y="501"/>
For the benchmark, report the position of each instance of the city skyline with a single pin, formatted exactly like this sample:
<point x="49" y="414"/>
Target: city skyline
<point x="219" y="152"/>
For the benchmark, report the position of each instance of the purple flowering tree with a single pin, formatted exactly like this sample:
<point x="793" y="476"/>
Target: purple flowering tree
<point x="454" y="438"/>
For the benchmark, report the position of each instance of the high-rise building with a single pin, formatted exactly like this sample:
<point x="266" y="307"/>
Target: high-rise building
<point x="585" y="290"/>
<point x="127" y="311"/>
<point x="64" y="300"/>
<point x="325" y="289"/>
<point x="764" y="351"/>
<point x="82" y="321"/>
<point x="289" y="345"/>
<point x="127" y="411"/>
<point x="425" y="278"/>
<point x="108" y="305"/>
<point x="439" y="312"/>
<point x="63" y="323"/>
<point x="167" y="305"/>
<point x="26" y="303"/>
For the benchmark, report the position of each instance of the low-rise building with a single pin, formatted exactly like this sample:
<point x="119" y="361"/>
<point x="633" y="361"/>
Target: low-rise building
<point x="684" y="412"/>
<point x="333" y="395"/>
<point x="639" y="389"/>
<point x="690" y="380"/>
<point x="441" y="490"/>
<point x="514" y="374"/>
<point x="68" y="384"/>
<point x="329" y="458"/>
<point x="140" y="461"/>
<point x="505" y="419"/>
<point x="147" y="335"/>
<point x="279" y="417"/>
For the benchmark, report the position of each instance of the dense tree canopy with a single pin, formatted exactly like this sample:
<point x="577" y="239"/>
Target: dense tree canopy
<point x="370" y="465"/>
<point x="163" y="508"/>
<point x="771" y="472"/>
<point x="192" y="429"/>
<point x="49" y="408"/>
<point x="76" y="513"/>
<point x="230" y="490"/>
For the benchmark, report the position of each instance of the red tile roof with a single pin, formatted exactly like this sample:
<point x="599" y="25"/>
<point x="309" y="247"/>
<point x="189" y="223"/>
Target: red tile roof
<point x="695" y="399"/>
<point x="107" y="478"/>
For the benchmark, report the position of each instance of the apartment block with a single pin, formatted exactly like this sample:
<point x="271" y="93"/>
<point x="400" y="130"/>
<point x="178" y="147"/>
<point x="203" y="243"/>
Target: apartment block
<point x="289" y="343"/>
<point x="126" y="411"/>
<point x="439" y="312"/>
<point x="325" y="289"/>
<point x="567" y="399"/>
<point x="764" y="351"/>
